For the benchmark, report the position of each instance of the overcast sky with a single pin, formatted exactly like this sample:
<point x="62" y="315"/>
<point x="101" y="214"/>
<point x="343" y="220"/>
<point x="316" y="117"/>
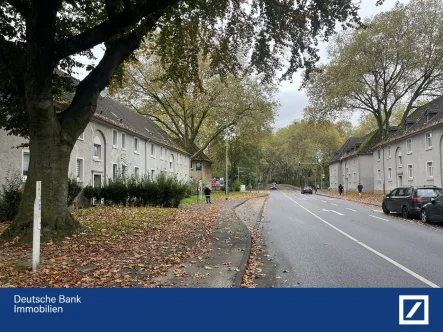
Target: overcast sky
<point x="292" y="100"/>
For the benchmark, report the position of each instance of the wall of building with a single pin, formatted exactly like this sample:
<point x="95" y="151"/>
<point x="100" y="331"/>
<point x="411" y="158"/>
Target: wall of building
<point x="164" y="158"/>
<point x="206" y="172"/>
<point x="335" y="175"/>
<point x="414" y="161"/>
<point x="10" y="157"/>
<point x="365" y="173"/>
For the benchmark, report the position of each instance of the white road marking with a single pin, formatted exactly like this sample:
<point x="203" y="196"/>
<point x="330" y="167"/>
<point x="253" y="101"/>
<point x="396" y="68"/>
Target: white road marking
<point x="334" y="204"/>
<point x="341" y="214"/>
<point x="323" y="201"/>
<point x="412" y="273"/>
<point x="351" y="209"/>
<point x="378" y="211"/>
<point x="378" y="218"/>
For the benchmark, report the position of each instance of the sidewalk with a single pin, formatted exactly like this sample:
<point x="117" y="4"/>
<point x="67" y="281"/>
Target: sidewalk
<point x="226" y="254"/>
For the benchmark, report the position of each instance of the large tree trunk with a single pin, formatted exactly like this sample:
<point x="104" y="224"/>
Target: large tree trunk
<point x="49" y="164"/>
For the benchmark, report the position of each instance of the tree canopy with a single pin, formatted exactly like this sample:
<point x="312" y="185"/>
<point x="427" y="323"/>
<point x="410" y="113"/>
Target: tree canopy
<point x="393" y="63"/>
<point x="193" y="114"/>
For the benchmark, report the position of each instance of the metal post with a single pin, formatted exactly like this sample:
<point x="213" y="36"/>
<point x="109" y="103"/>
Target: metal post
<point x="37" y="227"/>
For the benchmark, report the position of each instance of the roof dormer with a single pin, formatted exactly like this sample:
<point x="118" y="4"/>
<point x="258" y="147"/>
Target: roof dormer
<point x="393" y="130"/>
<point x="429" y="114"/>
<point x="409" y="123"/>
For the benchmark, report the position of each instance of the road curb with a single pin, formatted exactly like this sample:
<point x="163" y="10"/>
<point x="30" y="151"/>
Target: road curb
<point x="244" y="262"/>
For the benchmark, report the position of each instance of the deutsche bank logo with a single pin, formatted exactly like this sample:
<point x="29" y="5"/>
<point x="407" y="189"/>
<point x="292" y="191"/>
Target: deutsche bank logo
<point x="414" y="309"/>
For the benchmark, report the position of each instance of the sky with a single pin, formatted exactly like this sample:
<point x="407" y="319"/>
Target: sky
<point x="292" y="101"/>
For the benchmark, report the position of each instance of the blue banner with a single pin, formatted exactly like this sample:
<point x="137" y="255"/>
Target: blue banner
<point x="221" y="310"/>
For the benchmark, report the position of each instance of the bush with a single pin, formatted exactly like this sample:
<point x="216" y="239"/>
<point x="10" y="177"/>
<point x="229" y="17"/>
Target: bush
<point x="165" y="190"/>
<point x="10" y="196"/>
<point x="73" y="190"/>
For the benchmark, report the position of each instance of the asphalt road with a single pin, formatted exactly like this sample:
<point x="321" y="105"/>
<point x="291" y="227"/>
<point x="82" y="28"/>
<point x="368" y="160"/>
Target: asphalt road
<point x="316" y="241"/>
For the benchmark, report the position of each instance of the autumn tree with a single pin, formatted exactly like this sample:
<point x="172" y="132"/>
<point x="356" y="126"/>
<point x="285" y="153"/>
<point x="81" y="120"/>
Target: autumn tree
<point x="245" y="147"/>
<point x="193" y="113"/>
<point x="38" y="37"/>
<point x="307" y="142"/>
<point x="394" y="62"/>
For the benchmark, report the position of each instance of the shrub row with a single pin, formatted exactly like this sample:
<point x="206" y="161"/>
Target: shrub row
<point x="164" y="191"/>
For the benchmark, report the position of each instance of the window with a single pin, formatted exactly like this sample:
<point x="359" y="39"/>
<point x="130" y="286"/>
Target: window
<point x="389" y="173"/>
<point x="114" y="171"/>
<point x="136" y="146"/>
<point x="114" y="139"/>
<point x="429" y="169"/>
<point x="152" y="150"/>
<point x="123" y="141"/>
<point x="152" y="174"/>
<point x="429" y="140"/>
<point x="79" y="170"/>
<point x="409" y="145"/>
<point x="389" y="152"/>
<point x="82" y="136"/>
<point x="410" y="171"/>
<point x="97" y="181"/>
<point x="136" y="172"/>
<point x="25" y="163"/>
<point x="171" y="162"/>
<point x="97" y="151"/>
<point x="379" y="154"/>
<point x="400" y="161"/>
<point x="379" y="175"/>
<point x="124" y="170"/>
<point x="355" y="177"/>
<point x="161" y="153"/>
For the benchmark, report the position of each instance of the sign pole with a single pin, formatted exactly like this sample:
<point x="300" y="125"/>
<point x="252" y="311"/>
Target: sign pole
<point x="37" y="225"/>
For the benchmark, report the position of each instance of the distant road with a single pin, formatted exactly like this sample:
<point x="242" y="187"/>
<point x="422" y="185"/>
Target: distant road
<point x="317" y="241"/>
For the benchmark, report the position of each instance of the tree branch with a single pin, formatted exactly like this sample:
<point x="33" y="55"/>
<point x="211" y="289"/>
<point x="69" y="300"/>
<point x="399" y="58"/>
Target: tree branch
<point x="83" y="106"/>
<point x="112" y="27"/>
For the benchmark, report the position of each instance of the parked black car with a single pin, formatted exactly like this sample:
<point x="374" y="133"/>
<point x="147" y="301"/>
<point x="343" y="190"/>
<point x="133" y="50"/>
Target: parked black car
<point x="306" y="190"/>
<point x="409" y="200"/>
<point x="432" y="211"/>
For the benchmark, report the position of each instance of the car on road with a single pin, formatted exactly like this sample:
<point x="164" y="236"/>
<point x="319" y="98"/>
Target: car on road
<point x="274" y="186"/>
<point x="306" y="190"/>
<point x="432" y="211"/>
<point x="409" y="200"/>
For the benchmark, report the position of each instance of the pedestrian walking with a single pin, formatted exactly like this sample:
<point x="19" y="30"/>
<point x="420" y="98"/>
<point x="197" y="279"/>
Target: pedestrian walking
<point x="208" y="195"/>
<point x="340" y="189"/>
<point x="359" y="188"/>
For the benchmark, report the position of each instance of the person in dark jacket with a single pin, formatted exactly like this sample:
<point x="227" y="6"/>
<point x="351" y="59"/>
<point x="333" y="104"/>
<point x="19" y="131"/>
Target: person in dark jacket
<point x="359" y="188"/>
<point x="340" y="189"/>
<point x="208" y="195"/>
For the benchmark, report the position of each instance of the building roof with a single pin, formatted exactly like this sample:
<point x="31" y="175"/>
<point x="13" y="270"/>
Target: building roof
<point x="418" y="121"/>
<point x="117" y="114"/>
<point x="112" y="111"/>
<point x="356" y="146"/>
